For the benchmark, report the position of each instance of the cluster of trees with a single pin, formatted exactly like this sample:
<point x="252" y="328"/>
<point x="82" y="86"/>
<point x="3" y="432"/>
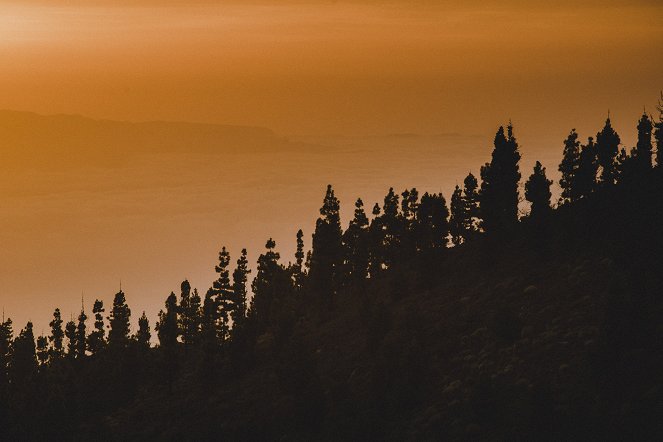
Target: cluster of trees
<point x="406" y="228"/>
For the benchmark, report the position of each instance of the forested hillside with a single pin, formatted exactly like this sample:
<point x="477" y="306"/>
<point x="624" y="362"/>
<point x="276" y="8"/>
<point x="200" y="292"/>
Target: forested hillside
<point x="421" y="319"/>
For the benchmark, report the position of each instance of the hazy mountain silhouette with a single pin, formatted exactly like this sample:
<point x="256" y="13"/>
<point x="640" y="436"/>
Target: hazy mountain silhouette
<point x="33" y="138"/>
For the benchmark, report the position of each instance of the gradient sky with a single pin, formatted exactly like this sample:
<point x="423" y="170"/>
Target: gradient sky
<point x="326" y="77"/>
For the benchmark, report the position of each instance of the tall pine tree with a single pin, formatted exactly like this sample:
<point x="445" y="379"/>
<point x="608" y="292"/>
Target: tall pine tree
<point x="458" y="220"/>
<point x="223" y="293"/>
<point x="471" y="197"/>
<point x="586" y="176"/>
<point x="57" y="335"/>
<point x="143" y="334"/>
<point x="569" y="168"/>
<point x="96" y="340"/>
<point x="6" y="337"/>
<point x="190" y="318"/>
<point x="607" y="149"/>
<point x="265" y="288"/>
<point x="355" y="244"/>
<point x="327" y="251"/>
<point x="72" y="339"/>
<point x="120" y="315"/>
<point x="166" y="328"/>
<point x="81" y="337"/>
<point x="499" y="186"/>
<point x="239" y="291"/>
<point x="537" y="192"/>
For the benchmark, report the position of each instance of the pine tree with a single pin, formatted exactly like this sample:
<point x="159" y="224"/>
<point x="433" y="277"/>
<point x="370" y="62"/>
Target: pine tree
<point x="585" y="179"/>
<point x="72" y="339"/>
<point x="471" y="197"/>
<point x="166" y="328"/>
<point x="458" y="220"/>
<point x="143" y="335"/>
<point x="537" y="192"/>
<point x="265" y="288"/>
<point x="643" y="149"/>
<point x="390" y="231"/>
<point x="499" y="186"/>
<point x="375" y="242"/>
<point x="120" y="315"/>
<point x="81" y="338"/>
<point x="298" y="269"/>
<point x="6" y="337"/>
<point x="355" y="245"/>
<point x="96" y="340"/>
<point x="42" y="350"/>
<point x="327" y="251"/>
<point x="607" y="148"/>
<point x="57" y="335"/>
<point x="569" y="168"/>
<point x="190" y="318"/>
<point x="240" y="278"/>
<point x="223" y="294"/>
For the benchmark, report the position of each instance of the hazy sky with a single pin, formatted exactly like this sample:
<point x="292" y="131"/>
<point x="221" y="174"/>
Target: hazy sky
<point x="361" y="94"/>
<point x="310" y="67"/>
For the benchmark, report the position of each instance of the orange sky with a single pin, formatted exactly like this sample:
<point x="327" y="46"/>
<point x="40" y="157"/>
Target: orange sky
<point x="338" y="76"/>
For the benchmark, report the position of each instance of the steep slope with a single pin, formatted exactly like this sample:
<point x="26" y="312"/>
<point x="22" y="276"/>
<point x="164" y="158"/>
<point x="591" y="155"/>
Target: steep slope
<point x="554" y="334"/>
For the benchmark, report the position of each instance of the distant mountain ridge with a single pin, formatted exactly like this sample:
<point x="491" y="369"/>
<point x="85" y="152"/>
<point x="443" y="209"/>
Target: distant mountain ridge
<point x="27" y="136"/>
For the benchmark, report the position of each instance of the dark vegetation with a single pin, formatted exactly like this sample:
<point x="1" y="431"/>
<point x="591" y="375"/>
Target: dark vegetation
<point x="421" y="322"/>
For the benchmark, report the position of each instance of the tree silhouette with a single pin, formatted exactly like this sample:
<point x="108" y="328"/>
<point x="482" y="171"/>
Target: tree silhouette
<point x="223" y="295"/>
<point x="57" y="335"/>
<point x="375" y="242"/>
<point x="355" y="244"/>
<point x="120" y="315"/>
<point x="392" y="230"/>
<point x="585" y="179"/>
<point x="167" y="330"/>
<point x="458" y="221"/>
<point x="239" y="291"/>
<point x="643" y="149"/>
<point x="569" y="168"/>
<point x="72" y="339"/>
<point x="298" y="268"/>
<point x="537" y="192"/>
<point x="6" y="336"/>
<point x="96" y="340"/>
<point x="607" y="148"/>
<point x="143" y="335"/>
<point x="81" y="337"/>
<point x="326" y="251"/>
<point x="269" y="287"/>
<point x="190" y="318"/>
<point x="499" y="186"/>
<point x="471" y="198"/>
